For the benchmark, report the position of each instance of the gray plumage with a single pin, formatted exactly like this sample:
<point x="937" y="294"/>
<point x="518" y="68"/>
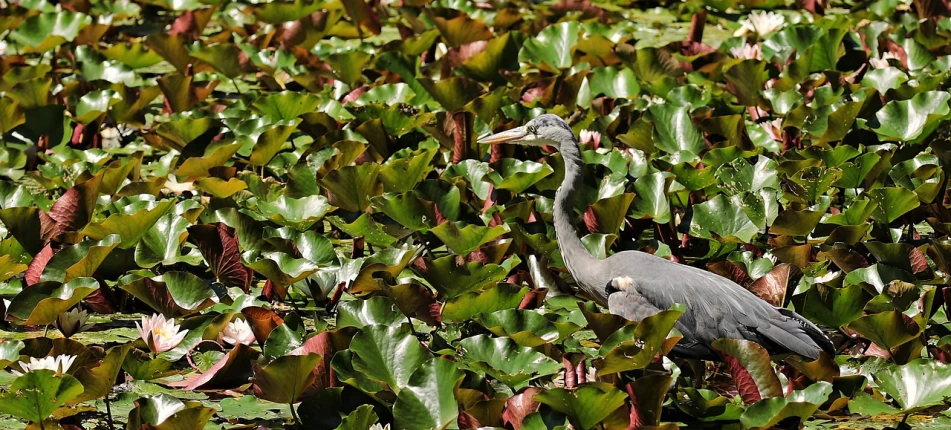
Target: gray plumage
<point x="635" y="285"/>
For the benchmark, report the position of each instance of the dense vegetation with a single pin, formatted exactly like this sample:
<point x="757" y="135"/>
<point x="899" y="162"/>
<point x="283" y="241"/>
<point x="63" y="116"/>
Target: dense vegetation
<point x="224" y="214"/>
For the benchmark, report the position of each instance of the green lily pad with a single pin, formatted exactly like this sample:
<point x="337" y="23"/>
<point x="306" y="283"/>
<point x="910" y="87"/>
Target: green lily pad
<point x="351" y="187"/>
<point x="527" y="328"/>
<point x="675" y="133"/>
<point x="516" y="176"/>
<point x="916" y="385"/>
<point x="800" y="403"/>
<point x="912" y="120"/>
<point x="505" y="360"/>
<point x="427" y="401"/>
<point x="174" y="293"/>
<point x="130" y="228"/>
<point x="35" y="395"/>
<point x="373" y="311"/>
<point x="552" y="46"/>
<point x="468" y="305"/>
<point x="585" y="406"/>
<point x="388" y="354"/>
<point x="719" y="216"/>
<point x="41" y="303"/>
<point x="286" y="378"/>
<point x="298" y="213"/>
<point x="452" y="278"/>
<point x="464" y="238"/>
<point x="893" y="202"/>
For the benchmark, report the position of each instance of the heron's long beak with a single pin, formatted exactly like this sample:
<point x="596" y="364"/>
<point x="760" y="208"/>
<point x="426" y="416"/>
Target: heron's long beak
<point x="514" y="134"/>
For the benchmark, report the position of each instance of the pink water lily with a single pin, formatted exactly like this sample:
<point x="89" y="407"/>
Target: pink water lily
<point x="238" y="331"/>
<point x="881" y="63"/>
<point x="160" y="334"/>
<point x="592" y="137"/>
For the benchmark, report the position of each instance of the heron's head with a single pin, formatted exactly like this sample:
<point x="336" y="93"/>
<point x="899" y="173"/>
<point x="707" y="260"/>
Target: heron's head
<point x="545" y="129"/>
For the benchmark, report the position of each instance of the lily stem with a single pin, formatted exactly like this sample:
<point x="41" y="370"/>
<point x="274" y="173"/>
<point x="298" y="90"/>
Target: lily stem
<point x="297" y="422"/>
<point x="109" y="413"/>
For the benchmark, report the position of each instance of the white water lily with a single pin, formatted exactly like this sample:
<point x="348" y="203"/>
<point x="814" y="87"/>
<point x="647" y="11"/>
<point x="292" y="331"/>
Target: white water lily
<point x="238" y="331"/>
<point x="160" y="334"/>
<point x="747" y="52"/>
<point x="761" y="23"/>
<point x="881" y="63"/>
<point x="165" y="406"/>
<point x="828" y="277"/>
<point x="59" y="364"/>
<point x="72" y="322"/>
<point x="377" y="426"/>
<point x="110" y="137"/>
<point x="592" y="137"/>
<point x="441" y="50"/>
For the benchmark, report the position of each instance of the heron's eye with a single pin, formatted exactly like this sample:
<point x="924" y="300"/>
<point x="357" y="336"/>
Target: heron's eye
<point x="532" y="129"/>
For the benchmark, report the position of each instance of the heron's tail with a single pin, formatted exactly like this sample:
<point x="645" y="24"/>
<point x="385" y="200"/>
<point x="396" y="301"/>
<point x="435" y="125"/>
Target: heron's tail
<point x="799" y="335"/>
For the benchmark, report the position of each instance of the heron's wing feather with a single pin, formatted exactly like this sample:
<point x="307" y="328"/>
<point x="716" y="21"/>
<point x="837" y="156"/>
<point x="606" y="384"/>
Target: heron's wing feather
<point x="810" y="329"/>
<point x="717" y="307"/>
<point x="631" y="305"/>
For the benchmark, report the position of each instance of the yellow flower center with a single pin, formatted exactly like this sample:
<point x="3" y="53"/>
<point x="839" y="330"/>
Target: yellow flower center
<point x="160" y="331"/>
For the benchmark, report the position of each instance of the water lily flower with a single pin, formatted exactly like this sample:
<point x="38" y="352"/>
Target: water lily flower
<point x="72" y="322"/>
<point x="59" y="364"/>
<point x="592" y="137"/>
<point x="441" y="50"/>
<point x="238" y="331"/>
<point x="377" y="426"/>
<point x="881" y="63"/>
<point x="747" y="52"/>
<point x="165" y="407"/>
<point x="761" y="23"/>
<point x="160" y="334"/>
<point x="828" y="277"/>
<point x="110" y="137"/>
<point x="774" y="129"/>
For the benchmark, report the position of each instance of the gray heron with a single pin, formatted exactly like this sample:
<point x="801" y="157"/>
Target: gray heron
<point x="635" y="284"/>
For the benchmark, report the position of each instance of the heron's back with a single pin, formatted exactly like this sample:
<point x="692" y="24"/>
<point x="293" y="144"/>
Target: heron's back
<point x="716" y="307"/>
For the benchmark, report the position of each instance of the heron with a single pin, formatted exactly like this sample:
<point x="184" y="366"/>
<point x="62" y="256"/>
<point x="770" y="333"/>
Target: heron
<point x="635" y="284"/>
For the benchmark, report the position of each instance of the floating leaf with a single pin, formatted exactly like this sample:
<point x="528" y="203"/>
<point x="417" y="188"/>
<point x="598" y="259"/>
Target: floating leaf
<point x="505" y="360"/>
<point x="751" y="368"/>
<point x="553" y="46"/>
<point x="525" y="327"/>
<point x="388" y="354"/>
<point x="919" y="384"/>
<point x="587" y="405"/>
<point x="427" y="401"/>
<point x="373" y="311"/>
<point x="719" y="216"/>
<point x="800" y="403"/>
<point x="452" y="278"/>
<point x="41" y="303"/>
<point x="35" y="395"/>
<point x="286" y="378"/>
<point x="464" y="238"/>
<point x="914" y="119"/>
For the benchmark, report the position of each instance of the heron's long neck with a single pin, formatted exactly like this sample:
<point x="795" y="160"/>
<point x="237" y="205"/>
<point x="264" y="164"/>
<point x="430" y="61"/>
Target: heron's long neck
<point x="576" y="256"/>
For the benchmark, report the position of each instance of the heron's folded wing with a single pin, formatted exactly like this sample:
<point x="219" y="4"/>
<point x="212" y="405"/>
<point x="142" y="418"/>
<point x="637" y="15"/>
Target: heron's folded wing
<point x="630" y="304"/>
